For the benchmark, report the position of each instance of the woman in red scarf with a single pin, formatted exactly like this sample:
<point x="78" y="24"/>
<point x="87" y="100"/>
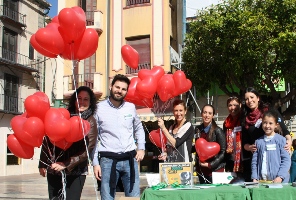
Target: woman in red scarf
<point x="233" y="129"/>
<point x="252" y="113"/>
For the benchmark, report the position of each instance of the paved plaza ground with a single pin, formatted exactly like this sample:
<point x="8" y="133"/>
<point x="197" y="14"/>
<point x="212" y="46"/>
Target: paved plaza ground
<point x="34" y="187"/>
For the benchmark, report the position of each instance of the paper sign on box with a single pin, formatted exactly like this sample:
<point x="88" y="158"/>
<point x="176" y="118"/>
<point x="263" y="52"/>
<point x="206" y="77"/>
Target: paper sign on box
<point x="180" y="172"/>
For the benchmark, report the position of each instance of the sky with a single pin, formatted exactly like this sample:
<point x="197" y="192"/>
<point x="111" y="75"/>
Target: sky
<point x="54" y="8"/>
<point x="191" y="6"/>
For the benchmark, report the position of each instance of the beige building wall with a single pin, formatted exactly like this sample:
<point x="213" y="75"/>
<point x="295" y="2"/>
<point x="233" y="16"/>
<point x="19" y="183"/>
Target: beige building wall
<point x="120" y="22"/>
<point x="27" y="85"/>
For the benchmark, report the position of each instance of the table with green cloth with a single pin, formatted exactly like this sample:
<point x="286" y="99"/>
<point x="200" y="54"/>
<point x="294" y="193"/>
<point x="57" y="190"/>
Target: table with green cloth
<point x="226" y="192"/>
<point x="288" y="192"/>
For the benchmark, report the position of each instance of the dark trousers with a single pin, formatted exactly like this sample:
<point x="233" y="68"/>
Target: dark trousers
<point x="74" y="186"/>
<point x="247" y="170"/>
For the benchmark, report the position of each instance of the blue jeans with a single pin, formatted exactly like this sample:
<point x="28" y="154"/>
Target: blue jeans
<point x="122" y="168"/>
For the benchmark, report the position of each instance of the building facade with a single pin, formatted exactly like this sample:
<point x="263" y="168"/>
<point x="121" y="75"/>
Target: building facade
<point x="152" y="27"/>
<point x="22" y="73"/>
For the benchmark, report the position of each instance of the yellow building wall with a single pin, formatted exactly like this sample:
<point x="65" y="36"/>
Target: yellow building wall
<point x="136" y="21"/>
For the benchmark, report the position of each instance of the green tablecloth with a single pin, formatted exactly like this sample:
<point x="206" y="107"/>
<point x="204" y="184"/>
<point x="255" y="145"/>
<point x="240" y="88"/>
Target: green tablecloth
<point x="286" y="193"/>
<point x="216" y="193"/>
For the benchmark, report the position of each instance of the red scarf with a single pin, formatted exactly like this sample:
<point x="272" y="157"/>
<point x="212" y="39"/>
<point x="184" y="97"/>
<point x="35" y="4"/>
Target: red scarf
<point x="252" y="118"/>
<point x="230" y="123"/>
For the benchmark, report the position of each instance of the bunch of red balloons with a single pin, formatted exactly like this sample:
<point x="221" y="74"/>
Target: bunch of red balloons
<point x="66" y="36"/>
<point x="149" y="82"/>
<point x="40" y="120"/>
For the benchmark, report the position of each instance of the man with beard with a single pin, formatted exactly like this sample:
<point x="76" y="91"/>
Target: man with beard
<point x="118" y="123"/>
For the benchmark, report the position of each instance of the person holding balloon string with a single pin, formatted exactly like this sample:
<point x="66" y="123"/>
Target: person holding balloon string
<point x="208" y="134"/>
<point x="69" y="166"/>
<point x="179" y="136"/>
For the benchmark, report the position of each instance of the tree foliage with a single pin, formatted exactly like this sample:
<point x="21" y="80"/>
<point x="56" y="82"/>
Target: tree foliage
<point x="244" y="43"/>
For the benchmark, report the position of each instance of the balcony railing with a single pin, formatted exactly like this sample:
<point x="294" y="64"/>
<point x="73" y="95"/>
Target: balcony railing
<point x="6" y="12"/>
<point x="9" y="104"/>
<point x="80" y="80"/>
<point x="89" y="18"/>
<point x="136" y="2"/>
<point x="140" y="66"/>
<point x="17" y="59"/>
<point x="92" y="80"/>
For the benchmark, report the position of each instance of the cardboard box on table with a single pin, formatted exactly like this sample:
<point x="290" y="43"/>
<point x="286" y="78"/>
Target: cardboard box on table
<point x="180" y="172"/>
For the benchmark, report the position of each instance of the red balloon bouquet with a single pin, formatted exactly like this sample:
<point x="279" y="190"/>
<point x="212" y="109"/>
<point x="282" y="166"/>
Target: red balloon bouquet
<point x="66" y="36"/>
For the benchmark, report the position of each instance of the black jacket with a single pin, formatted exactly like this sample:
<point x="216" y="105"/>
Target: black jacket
<point x="218" y="136"/>
<point x="250" y="135"/>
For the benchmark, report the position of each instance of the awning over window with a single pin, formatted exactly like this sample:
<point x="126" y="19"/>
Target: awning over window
<point x="146" y="114"/>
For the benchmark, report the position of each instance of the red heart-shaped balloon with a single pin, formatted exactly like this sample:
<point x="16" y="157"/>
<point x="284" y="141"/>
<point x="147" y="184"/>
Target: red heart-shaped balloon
<point x="41" y="50"/>
<point x="50" y="39"/>
<point x="130" y="56"/>
<point x="57" y="127"/>
<point x="72" y="24"/>
<point x="157" y="72"/>
<point x="62" y="144"/>
<point x="19" y="148"/>
<point x="77" y="133"/>
<point x="147" y="87"/>
<point x="182" y="84"/>
<point x="33" y="132"/>
<point x="134" y="97"/>
<point x="205" y="149"/>
<point x="131" y="93"/>
<point x="158" y="139"/>
<point x="88" y="44"/>
<point x="64" y="112"/>
<point x="36" y="106"/>
<point x="55" y="19"/>
<point x="166" y="87"/>
<point x="17" y="123"/>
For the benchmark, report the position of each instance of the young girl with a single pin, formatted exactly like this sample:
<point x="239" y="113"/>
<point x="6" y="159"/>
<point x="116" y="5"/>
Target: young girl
<point x="271" y="162"/>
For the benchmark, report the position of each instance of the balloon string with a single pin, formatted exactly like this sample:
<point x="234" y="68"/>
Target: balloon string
<point x="165" y="106"/>
<point x="151" y="137"/>
<point x="202" y="175"/>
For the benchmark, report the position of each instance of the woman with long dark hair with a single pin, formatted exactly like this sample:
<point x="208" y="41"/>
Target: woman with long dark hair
<point x="211" y="132"/>
<point x="252" y="112"/>
<point x="70" y="166"/>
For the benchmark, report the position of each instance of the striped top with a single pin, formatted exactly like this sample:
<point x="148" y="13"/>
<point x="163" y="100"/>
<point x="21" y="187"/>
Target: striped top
<point x="118" y="128"/>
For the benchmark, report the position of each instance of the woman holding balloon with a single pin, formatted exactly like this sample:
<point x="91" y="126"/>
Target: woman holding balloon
<point x="179" y="136"/>
<point x="210" y="146"/>
<point x="66" y="165"/>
